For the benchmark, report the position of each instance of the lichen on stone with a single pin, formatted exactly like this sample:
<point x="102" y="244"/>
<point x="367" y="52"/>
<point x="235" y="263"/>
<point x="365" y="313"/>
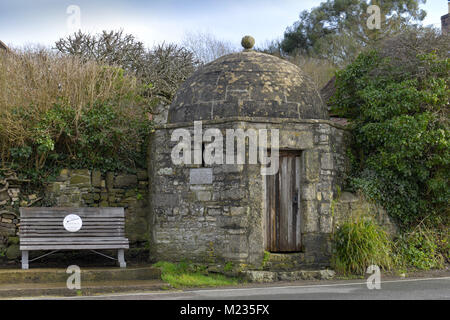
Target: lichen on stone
<point x="248" y="42"/>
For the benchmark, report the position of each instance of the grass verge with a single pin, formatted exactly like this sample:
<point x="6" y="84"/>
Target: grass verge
<point x="185" y="274"/>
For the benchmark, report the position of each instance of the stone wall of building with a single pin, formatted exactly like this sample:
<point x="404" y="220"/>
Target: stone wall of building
<point x="224" y="220"/>
<point x="76" y="188"/>
<point x="445" y="22"/>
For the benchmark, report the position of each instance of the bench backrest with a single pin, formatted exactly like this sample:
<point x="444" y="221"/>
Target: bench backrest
<point x="41" y="222"/>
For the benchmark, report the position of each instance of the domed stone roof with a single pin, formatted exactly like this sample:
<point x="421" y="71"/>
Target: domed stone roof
<point x="247" y="84"/>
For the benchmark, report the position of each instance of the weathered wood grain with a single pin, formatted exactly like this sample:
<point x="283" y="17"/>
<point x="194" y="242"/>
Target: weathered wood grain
<point x="283" y="206"/>
<point x="43" y="229"/>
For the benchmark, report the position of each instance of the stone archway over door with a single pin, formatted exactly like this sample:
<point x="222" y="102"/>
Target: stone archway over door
<point x="283" y="205"/>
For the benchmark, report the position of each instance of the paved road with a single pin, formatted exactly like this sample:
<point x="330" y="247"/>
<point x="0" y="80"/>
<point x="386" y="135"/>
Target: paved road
<point x="410" y="289"/>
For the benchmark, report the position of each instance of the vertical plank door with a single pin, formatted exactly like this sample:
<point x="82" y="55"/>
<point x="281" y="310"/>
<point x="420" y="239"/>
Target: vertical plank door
<point x="283" y="206"/>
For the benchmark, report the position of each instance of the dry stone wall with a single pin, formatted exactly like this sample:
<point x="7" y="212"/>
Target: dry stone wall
<point x="349" y="207"/>
<point x="75" y="188"/>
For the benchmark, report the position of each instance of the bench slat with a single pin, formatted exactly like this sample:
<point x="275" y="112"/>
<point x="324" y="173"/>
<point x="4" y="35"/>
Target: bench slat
<point x="75" y="241"/>
<point x="56" y="225"/>
<point x="61" y="211"/>
<point x="91" y="219"/>
<point x="76" y="235"/>
<point x="61" y="228"/>
<point x="87" y="238"/>
<point x="73" y="247"/>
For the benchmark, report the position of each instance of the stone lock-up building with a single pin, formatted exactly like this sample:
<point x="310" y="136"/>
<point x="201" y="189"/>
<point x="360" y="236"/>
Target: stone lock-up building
<point x="231" y="212"/>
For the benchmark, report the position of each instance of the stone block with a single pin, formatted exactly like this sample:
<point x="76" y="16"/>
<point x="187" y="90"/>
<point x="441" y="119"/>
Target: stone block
<point x="203" y="195"/>
<point x="327" y="274"/>
<point x="296" y="139"/>
<point x="8" y="214"/>
<point x="238" y="211"/>
<point x="96" y="178"/>
<point x="311" y="162"/>
<point x="13" y="252"/>
<point x="326" y="223"/>
<point x="32" y="197"/>
<point x="109" y="180"/>
<point x="228" y="168"/>
<point x="166" y="200"/>
<point x="142" y="175"/>
<point x="87" y="196"/>
<point x="125" y="180"/>
<point x="130" y="193"/>
<point x="4" y="196"/>
<point x="310" y="217"/>
<point x="165" y="171"/>
<point x="308" y="192"/>
<point x="325" y="208"/>
<point x="63" y="175"/>
<point x="214" y="211"/>
<point x="348" y="197"/>
<point x="104" y="204"/>
<point x="80" y="172"/>
<point x="13" y="240"/>
<point x="326" y="161"/>
<point x="79" y="180"/>
<point x="232" y="194"/>
<point x="260" y="276"/>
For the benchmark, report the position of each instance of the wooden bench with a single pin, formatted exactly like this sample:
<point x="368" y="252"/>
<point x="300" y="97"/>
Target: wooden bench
<point x="43" y="229"/>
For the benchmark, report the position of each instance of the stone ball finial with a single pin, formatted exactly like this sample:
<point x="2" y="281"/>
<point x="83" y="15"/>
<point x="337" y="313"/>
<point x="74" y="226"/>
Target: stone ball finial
<point x="248" y="42"/>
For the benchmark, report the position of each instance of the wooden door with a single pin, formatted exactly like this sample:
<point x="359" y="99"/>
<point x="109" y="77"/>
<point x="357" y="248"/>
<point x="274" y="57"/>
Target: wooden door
<point x="283" y="206"/>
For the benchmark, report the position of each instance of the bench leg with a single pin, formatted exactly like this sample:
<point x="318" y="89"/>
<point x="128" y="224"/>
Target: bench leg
<point x="120" y="257"/>
<point x="25" y="260"/>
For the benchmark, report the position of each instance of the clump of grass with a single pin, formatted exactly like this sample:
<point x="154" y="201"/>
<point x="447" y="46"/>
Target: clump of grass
<point x="359" y="244"/>
<point x="228" y="266"/>
<point x="265" y="258"/>
<point x="184" y="274"/>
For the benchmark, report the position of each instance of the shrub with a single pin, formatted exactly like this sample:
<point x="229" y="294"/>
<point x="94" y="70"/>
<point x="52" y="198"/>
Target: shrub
<point x="401" y="138"/>
<point x="359" y="244"/>
<point x="421" y="248"/>
<point x="61" y="110"/>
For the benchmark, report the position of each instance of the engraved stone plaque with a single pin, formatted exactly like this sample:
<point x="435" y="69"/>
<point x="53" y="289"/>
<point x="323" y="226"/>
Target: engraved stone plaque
<point x="201" y="176"/>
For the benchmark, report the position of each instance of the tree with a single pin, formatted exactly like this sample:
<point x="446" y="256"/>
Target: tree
<point x="111" y="47"/>
<point x="163" y="68"/>
<point x="337" y="29"/>
<point x="272" y="47"/>
<point x="206" y="47"/>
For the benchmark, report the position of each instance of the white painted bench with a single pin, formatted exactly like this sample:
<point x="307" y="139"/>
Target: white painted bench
<point x="42" y="229"/>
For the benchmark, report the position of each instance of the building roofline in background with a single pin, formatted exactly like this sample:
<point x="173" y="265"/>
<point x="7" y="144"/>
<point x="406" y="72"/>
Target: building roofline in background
<point x="3" y="46"/>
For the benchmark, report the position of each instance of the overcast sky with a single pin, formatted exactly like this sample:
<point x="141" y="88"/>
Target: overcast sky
<point x="24" y="22"/>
